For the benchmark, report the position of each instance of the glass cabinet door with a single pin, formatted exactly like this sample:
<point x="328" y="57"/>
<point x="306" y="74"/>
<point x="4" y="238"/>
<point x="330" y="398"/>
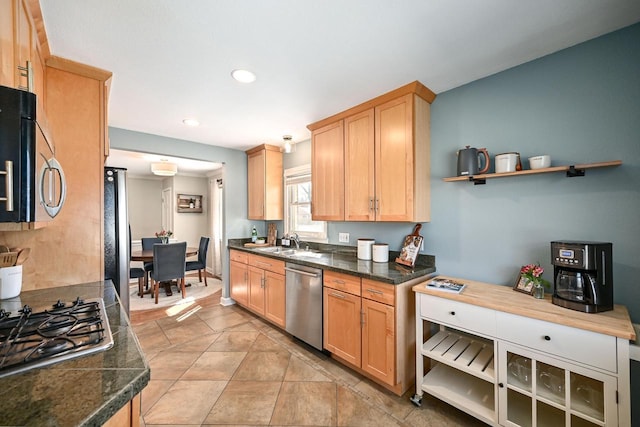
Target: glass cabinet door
<point x="537" y="390"/>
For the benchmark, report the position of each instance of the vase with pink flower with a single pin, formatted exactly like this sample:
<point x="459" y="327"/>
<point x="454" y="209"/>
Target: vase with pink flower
<point x="164" y="236"/>
<point x="532" y="273"/>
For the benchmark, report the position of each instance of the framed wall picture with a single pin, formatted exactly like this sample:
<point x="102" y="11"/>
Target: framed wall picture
<point x="523" y="285"/>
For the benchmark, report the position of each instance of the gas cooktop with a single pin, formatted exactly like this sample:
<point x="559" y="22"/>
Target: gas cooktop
<point x="31" y="339"/>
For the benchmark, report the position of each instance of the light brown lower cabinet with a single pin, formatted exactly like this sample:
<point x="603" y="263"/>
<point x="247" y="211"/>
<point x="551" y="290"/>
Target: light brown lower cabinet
<point x="127" y="416"/>
<point x="258" y="284"/>
<point x="363" y="329"/>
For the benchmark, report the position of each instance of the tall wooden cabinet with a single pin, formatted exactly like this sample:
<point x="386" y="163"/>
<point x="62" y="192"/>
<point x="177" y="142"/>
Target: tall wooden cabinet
<point x="265" y="183"/>
<point x="374" y="159"/>
<point x="74" y="98"/>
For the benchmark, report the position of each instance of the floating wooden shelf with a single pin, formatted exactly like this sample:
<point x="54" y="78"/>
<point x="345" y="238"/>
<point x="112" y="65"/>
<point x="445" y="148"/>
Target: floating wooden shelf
<point x="571" y="170"/>
<point x="189" y="203"/>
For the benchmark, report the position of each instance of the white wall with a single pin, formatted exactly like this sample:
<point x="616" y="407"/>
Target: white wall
<point x="145" y="204"/>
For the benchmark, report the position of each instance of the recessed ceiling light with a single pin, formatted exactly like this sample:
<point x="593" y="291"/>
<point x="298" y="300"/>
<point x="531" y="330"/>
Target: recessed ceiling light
<point x="243" y="76"/>
<point x="191" y="122"/>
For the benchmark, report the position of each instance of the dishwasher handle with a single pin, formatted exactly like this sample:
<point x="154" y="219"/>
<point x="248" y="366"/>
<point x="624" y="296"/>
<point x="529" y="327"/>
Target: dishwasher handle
<point x="304" y="273"/>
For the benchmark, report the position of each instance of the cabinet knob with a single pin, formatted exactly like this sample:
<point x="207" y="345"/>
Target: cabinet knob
<point x="547" y="338"/>
<point x="501" y="385"/>
<point x="453" y="313"/>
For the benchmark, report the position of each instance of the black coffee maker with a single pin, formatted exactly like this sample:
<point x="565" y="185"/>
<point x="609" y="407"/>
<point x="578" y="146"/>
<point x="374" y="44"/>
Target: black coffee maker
<point x="583" y="277"/>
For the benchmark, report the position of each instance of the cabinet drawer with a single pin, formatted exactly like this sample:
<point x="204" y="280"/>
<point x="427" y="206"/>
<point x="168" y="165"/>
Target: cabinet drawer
<point x="265" y="263"/>
<point x="587" y="347"/>
<point x="378" y="291"/>
<point x="458" y="315"/>
<point x="238" y="256"/>
<point x="342" y="282"/>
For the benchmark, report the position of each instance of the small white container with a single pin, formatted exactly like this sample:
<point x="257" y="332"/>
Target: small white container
<point x="380" y="252"/>
<point x="10" y="281"/>
<point x="364" y="248"/>
<point x="540" y="162"/>
<point x="506" y="162"/>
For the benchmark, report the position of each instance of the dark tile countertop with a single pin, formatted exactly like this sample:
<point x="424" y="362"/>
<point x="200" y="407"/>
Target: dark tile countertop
<point x="343" y="259"/>
<point x="85" y="391"/>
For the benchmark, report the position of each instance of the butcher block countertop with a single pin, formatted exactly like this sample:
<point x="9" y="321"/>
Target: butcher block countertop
<point x="615" y="322"/>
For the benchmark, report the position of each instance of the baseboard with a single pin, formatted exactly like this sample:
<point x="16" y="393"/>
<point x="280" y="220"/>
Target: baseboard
<point x="226" y="301"/>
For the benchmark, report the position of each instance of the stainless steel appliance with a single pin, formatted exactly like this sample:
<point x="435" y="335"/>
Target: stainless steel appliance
<point x="116" y="232"/>
<point x="31" y="339"/>
<point x="34" y="187"/>
<point x="304" y="303"/>
<point x="583" y="276"/>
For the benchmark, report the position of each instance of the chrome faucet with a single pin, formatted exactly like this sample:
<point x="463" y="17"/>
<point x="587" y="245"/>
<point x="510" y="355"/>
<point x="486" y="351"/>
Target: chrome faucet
<point x="296" y="239"/>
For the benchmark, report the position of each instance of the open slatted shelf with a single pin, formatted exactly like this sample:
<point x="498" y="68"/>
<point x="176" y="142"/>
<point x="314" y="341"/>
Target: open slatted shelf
<point x="472" y="355"/>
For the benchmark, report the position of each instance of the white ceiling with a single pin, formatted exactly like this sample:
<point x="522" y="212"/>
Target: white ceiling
<point x="172" y="59"/>
<point x="139" y="164"/>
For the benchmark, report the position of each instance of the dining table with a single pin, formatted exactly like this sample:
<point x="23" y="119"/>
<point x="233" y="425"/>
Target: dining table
<point x="146" y="255"/>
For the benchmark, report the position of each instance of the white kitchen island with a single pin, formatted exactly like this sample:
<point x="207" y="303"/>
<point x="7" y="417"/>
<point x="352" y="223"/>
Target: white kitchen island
<point x="510" y="359"/>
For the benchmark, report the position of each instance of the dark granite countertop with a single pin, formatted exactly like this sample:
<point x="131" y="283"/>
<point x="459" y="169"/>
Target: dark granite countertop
<point x="343" y="259"/>
<point x="85" y="391"/>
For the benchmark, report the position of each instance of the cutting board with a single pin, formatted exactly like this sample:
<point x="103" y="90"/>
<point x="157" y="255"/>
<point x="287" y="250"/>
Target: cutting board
<point x="411" y="247"/>
<point x="255" y="245"/>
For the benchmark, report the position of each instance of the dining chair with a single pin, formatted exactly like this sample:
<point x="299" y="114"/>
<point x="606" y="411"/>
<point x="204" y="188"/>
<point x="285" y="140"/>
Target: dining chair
<point x="136" y="272"/>
<point x="168" y="264"/>
<point x="147" y="244"/>
<point x="201" y="263"/>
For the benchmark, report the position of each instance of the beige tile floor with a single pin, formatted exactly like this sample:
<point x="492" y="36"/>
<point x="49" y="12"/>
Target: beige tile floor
<point x="218" y="365"/>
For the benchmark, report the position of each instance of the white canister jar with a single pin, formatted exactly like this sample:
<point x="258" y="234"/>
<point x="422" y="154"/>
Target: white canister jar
<point x="364" y="248"/>
<point x="506" y="162"/>
<point x="380" y="252"/>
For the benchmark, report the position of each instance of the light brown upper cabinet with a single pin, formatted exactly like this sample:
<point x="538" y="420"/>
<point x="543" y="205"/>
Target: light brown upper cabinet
<point x="265" y="183"/>
<point x="372" y="162"/>
<point x="327" y="173"/>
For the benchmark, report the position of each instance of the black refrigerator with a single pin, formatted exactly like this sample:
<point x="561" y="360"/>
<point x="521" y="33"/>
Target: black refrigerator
<point x="116" y="232"/>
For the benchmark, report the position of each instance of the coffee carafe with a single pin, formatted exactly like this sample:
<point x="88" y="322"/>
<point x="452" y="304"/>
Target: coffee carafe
<point x="583" y="277"/>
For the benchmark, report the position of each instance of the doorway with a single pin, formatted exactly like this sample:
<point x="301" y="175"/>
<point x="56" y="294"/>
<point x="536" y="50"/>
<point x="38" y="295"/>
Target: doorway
<point x="167" y="208"/>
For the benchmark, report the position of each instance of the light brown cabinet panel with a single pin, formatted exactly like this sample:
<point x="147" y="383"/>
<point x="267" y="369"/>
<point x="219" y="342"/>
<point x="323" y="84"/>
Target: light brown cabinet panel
<point x="342" y="325"/>
<point x="127" y="416"/>
<point x="327" y="173"/>
<point x="402" y="160"/>
<point x="378" y="340"/>
<point x="359" y="176"/>
<point x="275" y="298"/>
<point x="256" y="290"/>
<point x="239" y="282"/>
<point x="265" y="183"/>
<point x="7" y="67"/>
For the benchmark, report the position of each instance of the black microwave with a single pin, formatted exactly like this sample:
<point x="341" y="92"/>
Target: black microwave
<point x="34" y="187"/>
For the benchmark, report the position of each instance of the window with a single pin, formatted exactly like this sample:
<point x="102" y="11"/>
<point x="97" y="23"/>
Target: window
<point x="297" y="202"/>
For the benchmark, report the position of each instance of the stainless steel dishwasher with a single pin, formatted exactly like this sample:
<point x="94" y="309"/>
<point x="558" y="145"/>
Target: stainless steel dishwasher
<point x="304" y="303"/>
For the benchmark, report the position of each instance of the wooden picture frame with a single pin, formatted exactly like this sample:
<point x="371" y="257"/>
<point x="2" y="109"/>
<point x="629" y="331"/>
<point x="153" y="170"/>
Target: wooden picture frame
<point x="522" y="285"/>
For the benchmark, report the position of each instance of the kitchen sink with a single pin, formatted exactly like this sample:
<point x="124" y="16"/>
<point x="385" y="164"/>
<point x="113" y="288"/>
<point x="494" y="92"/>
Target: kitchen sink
<point x="290" y="252"/>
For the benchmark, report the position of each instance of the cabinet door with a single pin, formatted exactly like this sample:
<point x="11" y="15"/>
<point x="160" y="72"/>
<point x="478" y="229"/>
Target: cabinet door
<point x="359" y="170"/>
<point x="256" y="290"/>
<point x="378" y="340"/>
<point x="327" y="173"/>
<point x="274" y="299"/>
<point x="7" y="68"/>
<point x="540" y="390"/>
<point x="395" y="160"/>
<point x="256" y="184"/>
<point x="342" y="327"/>
<point x="238" y="282"/>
